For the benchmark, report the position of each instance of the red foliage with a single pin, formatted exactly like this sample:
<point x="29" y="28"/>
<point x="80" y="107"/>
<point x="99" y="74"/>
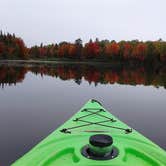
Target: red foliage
<point x="133" y="51"/>
<point x="127" y="50"/>
<point x="72" y="50"/>
<point x="139" y="51"/>
<point x="92" y="49"/>
<point x="62" y="50"/>
<point x="42" y="51"/>
<point x="22" y="49"/>
<point x="2" y="47"/>
<point x="115" y="48"/>
<point x="112" y="49"/>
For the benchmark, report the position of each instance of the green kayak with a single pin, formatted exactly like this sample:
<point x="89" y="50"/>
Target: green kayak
<point x="94" y="137"/>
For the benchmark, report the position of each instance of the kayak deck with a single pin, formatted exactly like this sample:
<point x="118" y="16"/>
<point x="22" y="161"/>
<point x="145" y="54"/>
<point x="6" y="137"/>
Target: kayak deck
<point x="63" y="147"/>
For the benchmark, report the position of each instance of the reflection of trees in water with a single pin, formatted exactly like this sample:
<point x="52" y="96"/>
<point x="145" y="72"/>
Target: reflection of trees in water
<point x="11" y="75"/>
<point x="103" y="74"/>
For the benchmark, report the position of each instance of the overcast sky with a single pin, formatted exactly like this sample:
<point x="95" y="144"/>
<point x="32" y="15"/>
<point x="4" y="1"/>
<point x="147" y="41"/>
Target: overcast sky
<point x="51" y="21"/>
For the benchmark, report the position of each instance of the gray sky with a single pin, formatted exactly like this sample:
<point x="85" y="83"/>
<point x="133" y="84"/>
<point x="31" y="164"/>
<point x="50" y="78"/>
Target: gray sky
<point x="51" y="21"/>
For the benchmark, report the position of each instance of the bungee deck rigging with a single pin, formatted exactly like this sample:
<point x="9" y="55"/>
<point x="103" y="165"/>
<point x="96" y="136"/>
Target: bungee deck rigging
<point x="88" y="123"/>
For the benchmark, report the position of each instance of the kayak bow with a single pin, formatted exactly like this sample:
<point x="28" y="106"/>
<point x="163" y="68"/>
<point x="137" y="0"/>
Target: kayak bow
<point x="94" y="137"/>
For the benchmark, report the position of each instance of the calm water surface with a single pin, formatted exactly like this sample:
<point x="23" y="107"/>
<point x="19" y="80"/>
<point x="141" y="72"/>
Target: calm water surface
<point x="35" y="100"/>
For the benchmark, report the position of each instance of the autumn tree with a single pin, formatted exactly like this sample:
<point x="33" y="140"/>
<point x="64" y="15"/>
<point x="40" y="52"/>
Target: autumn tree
<point x="63" y="49"/>
<point x="72" y="50"/>
<point x="112" y="49"/>
<point x="20" y="48"/>
<point x="91" y="49"/>
<point x="127" y="51"/>
<point x="140" y="51"/>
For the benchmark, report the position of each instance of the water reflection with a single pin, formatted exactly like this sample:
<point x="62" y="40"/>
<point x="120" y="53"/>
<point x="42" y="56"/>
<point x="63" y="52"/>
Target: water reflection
<point x="98" y="74"/>
<point x="37" y="106"/>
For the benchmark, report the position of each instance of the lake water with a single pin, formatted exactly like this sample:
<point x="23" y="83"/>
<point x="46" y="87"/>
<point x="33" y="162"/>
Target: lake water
<point x="36" y="99"/>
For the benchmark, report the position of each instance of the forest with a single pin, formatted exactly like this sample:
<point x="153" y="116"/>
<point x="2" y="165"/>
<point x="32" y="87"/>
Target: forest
<point x="12" y="47"/>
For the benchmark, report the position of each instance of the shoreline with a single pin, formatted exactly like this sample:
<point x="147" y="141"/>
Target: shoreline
<point x="131" y="64"/>
<point x="58" y="61"/>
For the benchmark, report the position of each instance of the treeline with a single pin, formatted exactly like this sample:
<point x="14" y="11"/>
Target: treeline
<point x="12" y="47"/>
<point x="140" y="75"/>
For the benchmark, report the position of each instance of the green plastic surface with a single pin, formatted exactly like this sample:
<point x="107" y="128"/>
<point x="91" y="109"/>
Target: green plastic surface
<point x="64" y="149"/>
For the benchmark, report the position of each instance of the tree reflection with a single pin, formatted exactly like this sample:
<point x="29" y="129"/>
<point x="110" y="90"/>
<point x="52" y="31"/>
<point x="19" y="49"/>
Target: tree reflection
<point x="97" y="74"/>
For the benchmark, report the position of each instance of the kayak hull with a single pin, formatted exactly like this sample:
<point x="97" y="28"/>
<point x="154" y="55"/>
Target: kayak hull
<point x="64" y="146"/>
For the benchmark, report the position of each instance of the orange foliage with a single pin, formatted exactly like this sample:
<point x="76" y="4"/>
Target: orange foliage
<point x="92" y="49"/>
<point x="139" y="51"/>
<point x="112" y="49"/>
<point x="127" y="50"/>
<point x="72" y="50"/>
<point x="123" y="51"/>
<point x="62" y="50"/>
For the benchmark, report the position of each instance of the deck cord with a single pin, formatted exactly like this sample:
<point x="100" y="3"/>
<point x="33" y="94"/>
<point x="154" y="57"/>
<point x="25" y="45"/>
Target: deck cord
<point x="88" y="123"/>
